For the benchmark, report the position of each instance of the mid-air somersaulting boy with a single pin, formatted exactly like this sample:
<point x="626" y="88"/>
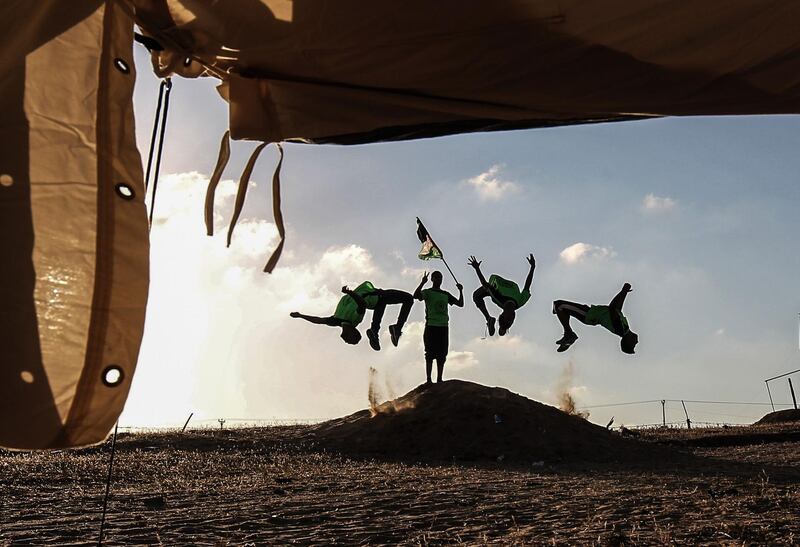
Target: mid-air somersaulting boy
<point x="610" y="317"/>
<point x="504" y="293"/>
<point x="353" y="305"/>
<point x="437" y="331"/>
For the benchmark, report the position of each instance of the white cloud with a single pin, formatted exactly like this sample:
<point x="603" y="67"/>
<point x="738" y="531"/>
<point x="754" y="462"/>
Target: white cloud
<point x="490" y="186"/>
<point x="460" y="360"/>
<point x="347" y="263"/>
<point x="578" y="252"/>
<point x="653" y="204"/>
<point x="405" y="269"/>
<point x="218" y="340"/>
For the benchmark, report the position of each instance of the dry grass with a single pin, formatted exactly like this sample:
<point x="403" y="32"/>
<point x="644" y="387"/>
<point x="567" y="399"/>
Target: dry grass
<point x="266" y="486"/>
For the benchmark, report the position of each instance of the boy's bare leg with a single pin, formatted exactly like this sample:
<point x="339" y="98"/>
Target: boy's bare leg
<point x="439" y="369"/>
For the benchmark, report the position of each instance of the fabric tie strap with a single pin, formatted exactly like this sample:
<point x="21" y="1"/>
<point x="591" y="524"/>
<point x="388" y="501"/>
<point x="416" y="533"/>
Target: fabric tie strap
<point x="222" y="161"/>
<point x="277" y="214"/>
<point x="241" y="193"/>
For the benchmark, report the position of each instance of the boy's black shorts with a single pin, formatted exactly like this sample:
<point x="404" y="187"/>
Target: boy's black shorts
<point x="437" y="342"/>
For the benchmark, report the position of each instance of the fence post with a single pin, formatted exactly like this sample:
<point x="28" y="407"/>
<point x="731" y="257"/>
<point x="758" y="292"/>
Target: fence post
<point x="688" y="421"/>
<point x="766" y="382"/>
<point x="664" y="412"/>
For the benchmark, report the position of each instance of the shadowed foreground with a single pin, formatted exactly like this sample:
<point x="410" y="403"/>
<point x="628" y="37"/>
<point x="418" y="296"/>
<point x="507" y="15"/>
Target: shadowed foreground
<point x="282" y="485"/>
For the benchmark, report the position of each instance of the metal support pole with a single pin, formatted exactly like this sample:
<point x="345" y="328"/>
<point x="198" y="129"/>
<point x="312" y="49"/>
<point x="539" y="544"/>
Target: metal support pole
<point x="794" y="399"/>
<point x="187" y="422"/>
<point x="766" y="382"/>
<point x="664" y="412"/>
<point x="688" y="421"/>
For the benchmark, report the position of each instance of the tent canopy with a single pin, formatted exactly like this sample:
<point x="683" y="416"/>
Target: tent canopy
<point x="353" y="71"/>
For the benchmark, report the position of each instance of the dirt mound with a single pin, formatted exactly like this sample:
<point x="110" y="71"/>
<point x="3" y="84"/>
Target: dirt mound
<point x="781" y="416"/>
<point x="464" y="421"/>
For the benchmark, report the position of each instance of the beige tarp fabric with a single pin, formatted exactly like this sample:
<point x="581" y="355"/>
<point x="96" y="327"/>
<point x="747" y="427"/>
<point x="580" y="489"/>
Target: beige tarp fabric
<point x="366" y="70"/>
<point x="73" y="229"/>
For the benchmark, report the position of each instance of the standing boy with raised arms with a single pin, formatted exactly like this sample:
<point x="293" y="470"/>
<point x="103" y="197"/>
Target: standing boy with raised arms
<point x="437" y="330"/>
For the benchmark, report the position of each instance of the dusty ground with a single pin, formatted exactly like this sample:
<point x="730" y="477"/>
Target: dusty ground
<point x="263" y="486"/>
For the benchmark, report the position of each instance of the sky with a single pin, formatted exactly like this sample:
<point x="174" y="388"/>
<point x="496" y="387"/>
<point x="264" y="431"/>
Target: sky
<point x="698" y="214"/>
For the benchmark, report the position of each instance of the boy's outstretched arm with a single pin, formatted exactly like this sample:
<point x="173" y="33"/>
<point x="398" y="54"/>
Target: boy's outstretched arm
<point x="418" y="292"/>
<point x="460" y="301"/>
<point x="329" y="321"/>
<point x="360" y="302"/>
<point x="529" y="279"/>
<point x="475" y="263"/>
<point x="619" y="300"/>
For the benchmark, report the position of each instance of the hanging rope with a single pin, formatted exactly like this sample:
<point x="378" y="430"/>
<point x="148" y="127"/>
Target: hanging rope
<point x="164" y="90"/>
<point x="277" y="214"/>
<point x="222" y="161"/>
<point x="108" y="483"/>
<point x="154" y="134"/>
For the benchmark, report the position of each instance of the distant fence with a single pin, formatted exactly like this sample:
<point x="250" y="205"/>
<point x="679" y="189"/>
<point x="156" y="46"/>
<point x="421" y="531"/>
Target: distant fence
<point x="225" y="423"/>
<point x="707" y="418"/>
<point x="786" y="375"/>
<point x="692" y="416"/>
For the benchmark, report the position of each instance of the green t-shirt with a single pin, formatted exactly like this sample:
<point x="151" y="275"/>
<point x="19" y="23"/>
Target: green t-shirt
<point x="601" y="315"/>
<point x="508" y="290"/>
<point x="436" y="303"/>
<point x="347" y="309"/>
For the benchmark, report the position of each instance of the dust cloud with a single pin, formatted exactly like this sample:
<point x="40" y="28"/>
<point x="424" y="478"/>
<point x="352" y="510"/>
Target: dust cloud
<point x="375" y="394"/>
<point x="566" y="401"/>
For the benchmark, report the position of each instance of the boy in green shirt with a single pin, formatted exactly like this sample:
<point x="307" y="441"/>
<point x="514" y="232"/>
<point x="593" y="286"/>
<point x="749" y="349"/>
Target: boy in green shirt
<point x="353" y="306"/>
<point x="437" y="331"/>
<point x="610" y="317"/>
<point x="504" y="293"/>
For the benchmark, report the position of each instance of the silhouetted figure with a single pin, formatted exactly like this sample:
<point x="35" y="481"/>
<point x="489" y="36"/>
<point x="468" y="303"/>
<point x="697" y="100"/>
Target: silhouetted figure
<point x="354" y="304"/>
<point x="437" y="320"/>
<point x="610" y="317"/>
<point x="504" y="293"/>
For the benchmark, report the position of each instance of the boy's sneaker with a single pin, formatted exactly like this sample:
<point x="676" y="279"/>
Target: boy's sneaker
<point x="490" y="325"/>
<point x="374" y="341"/>
<point x="394" y="333"/>
<point x="566" y="341"/>
<point x="568" y="338"/>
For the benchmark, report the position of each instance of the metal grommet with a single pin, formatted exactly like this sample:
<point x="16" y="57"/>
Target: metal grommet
<point x="122" y="66"/>
<point x="125" y="191"/>
<point x="6" y="180"/>
<point x="112" y="376"/>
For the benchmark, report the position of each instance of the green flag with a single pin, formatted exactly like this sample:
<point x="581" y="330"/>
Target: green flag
<point x="429" y="249"/>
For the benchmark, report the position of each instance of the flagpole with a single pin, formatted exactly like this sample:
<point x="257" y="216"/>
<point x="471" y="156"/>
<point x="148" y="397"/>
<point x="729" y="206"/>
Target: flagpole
<point x="440" y="250"/>
<point x="448" y="267"/>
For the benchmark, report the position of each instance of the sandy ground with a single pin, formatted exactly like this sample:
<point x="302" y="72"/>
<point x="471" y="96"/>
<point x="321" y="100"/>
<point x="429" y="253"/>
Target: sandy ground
<point x="265" y="486"/>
